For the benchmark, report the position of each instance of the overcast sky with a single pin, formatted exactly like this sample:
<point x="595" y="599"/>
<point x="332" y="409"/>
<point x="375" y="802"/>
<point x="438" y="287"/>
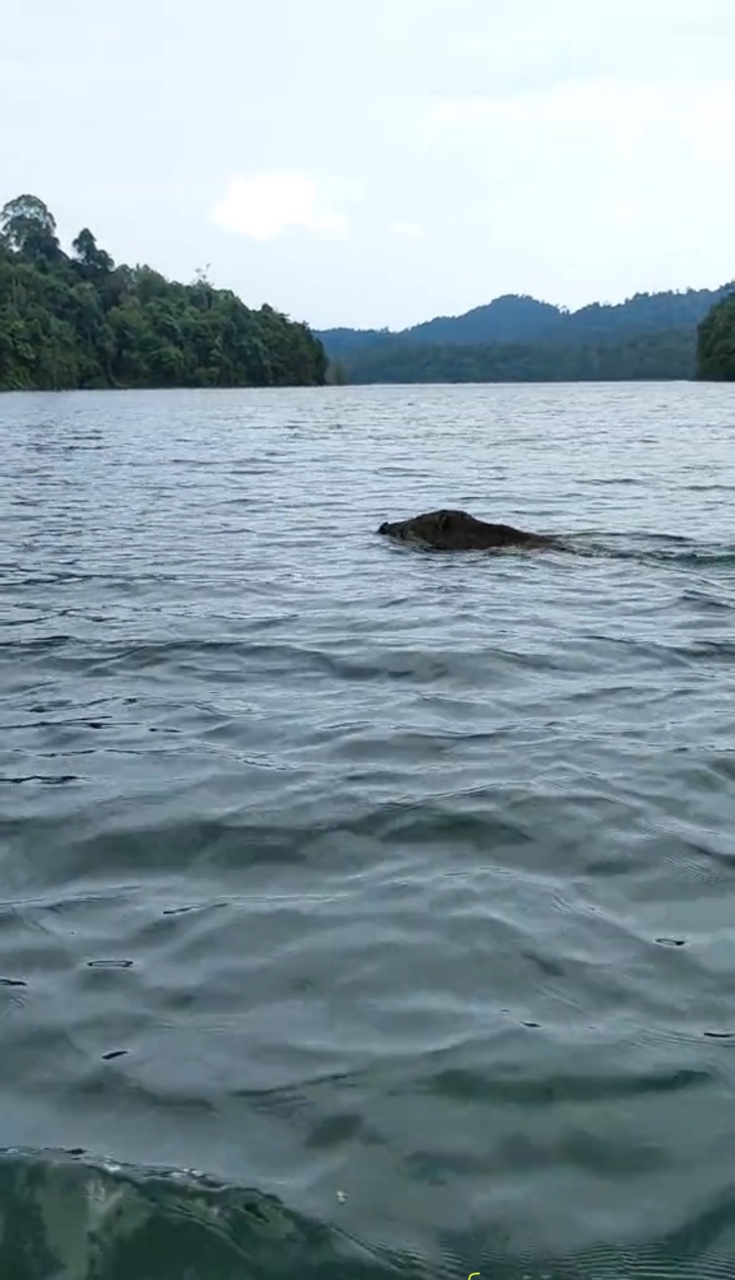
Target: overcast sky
<point x="380" y="163"/>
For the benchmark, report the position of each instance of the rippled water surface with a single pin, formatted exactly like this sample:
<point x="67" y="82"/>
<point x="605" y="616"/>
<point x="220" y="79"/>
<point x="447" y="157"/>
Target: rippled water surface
<point x="367" y="911"/>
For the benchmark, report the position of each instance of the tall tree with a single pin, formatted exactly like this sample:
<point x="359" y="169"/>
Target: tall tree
<point x="28" y="227"/>
<point x="91" y="258"/>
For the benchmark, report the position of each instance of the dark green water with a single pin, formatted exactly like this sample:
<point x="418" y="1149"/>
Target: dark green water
<point x="393" y="892"/>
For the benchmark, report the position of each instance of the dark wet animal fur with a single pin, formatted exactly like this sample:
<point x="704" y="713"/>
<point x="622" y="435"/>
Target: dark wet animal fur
<point x="458" y="531"/>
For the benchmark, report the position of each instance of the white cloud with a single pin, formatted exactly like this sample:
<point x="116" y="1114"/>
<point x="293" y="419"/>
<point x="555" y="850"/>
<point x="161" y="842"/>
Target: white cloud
<point x="410" y="230"/>
<point x="264" y="205"/>
<point x="597" y="102"/>
<point x="627" y="212"/>
<point x="665" y="130"/>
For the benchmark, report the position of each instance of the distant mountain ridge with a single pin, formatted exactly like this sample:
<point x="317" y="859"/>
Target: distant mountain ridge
<point x="516" y="338"/>
<point x="519" y="318"/>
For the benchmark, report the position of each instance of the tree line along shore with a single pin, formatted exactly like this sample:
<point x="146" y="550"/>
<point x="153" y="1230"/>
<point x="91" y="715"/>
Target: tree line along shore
<point x="79" y="320"/>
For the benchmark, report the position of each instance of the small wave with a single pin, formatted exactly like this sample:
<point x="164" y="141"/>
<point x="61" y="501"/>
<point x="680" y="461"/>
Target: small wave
<point x="68" y="1215"/>
<point x="661" y="548"/>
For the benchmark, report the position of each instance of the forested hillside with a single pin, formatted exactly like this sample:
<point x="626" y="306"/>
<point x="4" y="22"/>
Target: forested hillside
<point x="80" y="320"/>
<point x="716" y="343"/>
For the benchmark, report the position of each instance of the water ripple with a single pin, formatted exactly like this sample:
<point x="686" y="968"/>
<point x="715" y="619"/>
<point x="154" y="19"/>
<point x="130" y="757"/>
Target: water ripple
<point x="393" y="890"/>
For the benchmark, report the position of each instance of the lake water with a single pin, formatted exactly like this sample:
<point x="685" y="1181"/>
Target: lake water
<point x="367" y="911"/>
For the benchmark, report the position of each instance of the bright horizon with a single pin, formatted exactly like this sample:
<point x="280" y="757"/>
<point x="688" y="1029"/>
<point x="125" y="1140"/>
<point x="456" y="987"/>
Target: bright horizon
<point x="378" y="167"/>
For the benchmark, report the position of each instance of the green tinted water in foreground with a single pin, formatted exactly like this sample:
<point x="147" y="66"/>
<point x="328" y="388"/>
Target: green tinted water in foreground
<point x="393" y="892"/>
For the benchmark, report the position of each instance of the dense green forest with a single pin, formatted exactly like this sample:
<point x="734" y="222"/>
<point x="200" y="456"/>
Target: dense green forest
<point x="81" y="321"/>
<point x="716" y="343"/>
<point x="518" y="339"/>
<point x="656" y="357"/>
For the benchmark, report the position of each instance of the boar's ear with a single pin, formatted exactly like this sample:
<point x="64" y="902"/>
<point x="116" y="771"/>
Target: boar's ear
<point x="443" y="521"/>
